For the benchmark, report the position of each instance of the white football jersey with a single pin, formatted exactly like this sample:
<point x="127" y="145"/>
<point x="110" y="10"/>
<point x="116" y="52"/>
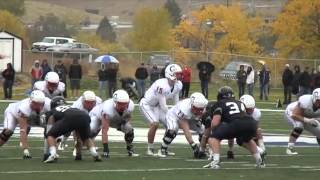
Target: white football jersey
<point x="107" y="108"/>
<point x="182" y="110"/>
<point x="305" y="102"/>
<point x="79" y="105"/>
<point x="256" y="114"/>
<point x="22" y="108"/>
<point x="162" y="88"/>
<point x="42" y="86"/>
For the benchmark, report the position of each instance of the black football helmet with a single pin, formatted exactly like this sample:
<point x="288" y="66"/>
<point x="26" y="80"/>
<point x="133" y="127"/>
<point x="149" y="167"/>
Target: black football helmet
<point x="57" y="101"/>
<point x="225" y="92"/>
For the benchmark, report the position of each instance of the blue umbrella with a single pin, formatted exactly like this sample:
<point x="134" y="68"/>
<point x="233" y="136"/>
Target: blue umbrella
<point x="106" y="59"/>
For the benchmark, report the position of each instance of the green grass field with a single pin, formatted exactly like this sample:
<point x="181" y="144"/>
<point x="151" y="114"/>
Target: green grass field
<point x="182" y="166"/>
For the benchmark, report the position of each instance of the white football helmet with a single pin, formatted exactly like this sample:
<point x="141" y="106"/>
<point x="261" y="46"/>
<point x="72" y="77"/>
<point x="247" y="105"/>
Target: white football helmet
<point x="198" y="100"/>
<point x="52" y="77"/>
<point x="248" y="101"/>
<point x="172" y="70"/>
<point x="120" y="96"/>
<point x="37" y="96"/>
<point x="316" y="95"/>
<point x="89" y="96"/>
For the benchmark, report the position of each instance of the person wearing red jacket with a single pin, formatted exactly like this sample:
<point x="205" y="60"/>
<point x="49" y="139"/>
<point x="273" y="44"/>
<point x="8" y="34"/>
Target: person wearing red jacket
<point x="36" y="72"/>
<point x="186" y="80"/>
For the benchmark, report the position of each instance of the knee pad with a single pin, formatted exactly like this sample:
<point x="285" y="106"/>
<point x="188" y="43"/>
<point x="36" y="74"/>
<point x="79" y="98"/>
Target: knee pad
<point x="128" y="137"/>
<point x="169" y="136"/>
<point x="296" y="132"/>
<point x="5" y="135"/>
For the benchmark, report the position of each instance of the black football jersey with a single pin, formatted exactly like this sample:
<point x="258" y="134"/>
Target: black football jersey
<point x="229" y="109"/>
<point x="59" y="112"/>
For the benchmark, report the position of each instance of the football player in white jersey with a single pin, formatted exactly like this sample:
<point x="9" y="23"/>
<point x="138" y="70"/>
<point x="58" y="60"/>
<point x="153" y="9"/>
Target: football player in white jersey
<point x="86" y="103"/>
<point x="21" y="112"/>
<point x="153" y="105"/>
<point x="186" y="114"/>
<point x="115" y="113"/>
<point x="51" y="86"/>
<point x="250" y="105"/>
<point x="303" y="114"/>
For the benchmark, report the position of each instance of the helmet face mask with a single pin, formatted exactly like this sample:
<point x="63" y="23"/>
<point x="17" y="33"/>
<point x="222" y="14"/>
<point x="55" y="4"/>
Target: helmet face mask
<point x="36" y="106"/>
<point x="198" y="103"/>
<point x="37" y="99"/>
<point x="316" y="97"/>
<point x="52" y="79"/>
<point x="89" y="100"/>
<point x="89" y="105"/>
<point x="52" y="86"/>
<point x="121" y="100"/>
<point x="173" y="72"/>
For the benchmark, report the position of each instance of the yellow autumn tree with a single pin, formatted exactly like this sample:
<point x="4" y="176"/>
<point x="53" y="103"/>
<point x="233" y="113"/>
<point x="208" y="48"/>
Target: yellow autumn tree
<point x="298" y="29"/>
<point x="151" y="30"/>
<point x="221" y="29"/>
<point x="12" y="24"/>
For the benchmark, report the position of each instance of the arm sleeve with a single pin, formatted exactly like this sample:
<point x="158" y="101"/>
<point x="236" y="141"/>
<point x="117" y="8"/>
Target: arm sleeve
<point x="163" y="103"/>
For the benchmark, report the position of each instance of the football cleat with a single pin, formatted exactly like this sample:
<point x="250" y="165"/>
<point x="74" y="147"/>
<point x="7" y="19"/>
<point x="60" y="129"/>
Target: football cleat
<point x="78" y="157"/>
<point x="213" y="165"/>
<point x="150" y="152"/>
<point x="105" y="155"/>
<point x="97" y="158"/>
<point x="230" y="155"/>
<point x="74" y="152"/>
<point x="61" y="146"/>
<point x="260" y="164"/>
<point x="291" y="151"/>
<point x="162" y="153"/>
<point x="51" y="159"/>
<point x="132" y="154"/>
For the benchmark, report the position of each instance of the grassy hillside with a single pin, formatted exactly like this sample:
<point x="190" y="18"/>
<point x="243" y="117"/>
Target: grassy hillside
<point x="34" y="9"/>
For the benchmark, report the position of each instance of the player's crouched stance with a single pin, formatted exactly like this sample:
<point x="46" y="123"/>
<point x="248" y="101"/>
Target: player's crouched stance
<point x="303" y="114"/>
<point x="186" y="115"/>
<point x="24" y="112"/>
<point x="115" y="113"/>
<point x="63" y="119"/>
<point x="229" y="120"/>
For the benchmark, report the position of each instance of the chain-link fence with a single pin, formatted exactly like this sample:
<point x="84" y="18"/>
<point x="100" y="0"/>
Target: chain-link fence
<point x="129" y="61"/>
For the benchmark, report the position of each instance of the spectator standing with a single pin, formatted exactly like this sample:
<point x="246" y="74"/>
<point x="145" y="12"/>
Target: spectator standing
<point x="36" y="72"/>
<point x="112" y="72"/>
<point x="75" y="75"/>
<point x="61" y="70"/>
<point x="304" y="82"/>
<point x="141" y="76"/>
<point x="45" y="68"/>
<point x="164" y="68"/>
<point x="264" y="78"/>
<point x="287" y="78"/>
<point x="250" y="80"/>
<point x="154" y="74"/>
<point x="316" y="79"/>
<point x="241" y="79"/>
<point x="186" y="80"/>
<point x="103" y="80"/>
<point x="295" y="80"/>
<point x="8" y="74"/>
<point x="204" y="76"/>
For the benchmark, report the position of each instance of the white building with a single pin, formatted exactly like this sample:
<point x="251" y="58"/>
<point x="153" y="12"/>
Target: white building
<point x="10" y="51"/>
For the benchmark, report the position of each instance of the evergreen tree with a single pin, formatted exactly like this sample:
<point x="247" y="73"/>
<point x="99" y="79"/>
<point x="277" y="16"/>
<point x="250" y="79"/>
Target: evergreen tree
<point x="105" y="30"/>
<point x="174" y="11"/>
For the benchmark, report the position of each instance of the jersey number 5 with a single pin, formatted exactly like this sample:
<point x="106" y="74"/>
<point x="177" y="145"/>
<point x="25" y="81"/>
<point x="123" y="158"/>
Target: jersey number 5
<point x="234" y="108"/>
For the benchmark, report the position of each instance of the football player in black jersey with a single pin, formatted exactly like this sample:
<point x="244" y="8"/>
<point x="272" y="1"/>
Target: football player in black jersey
<point x="63" y="119"/>
<point x="229" y="120"/>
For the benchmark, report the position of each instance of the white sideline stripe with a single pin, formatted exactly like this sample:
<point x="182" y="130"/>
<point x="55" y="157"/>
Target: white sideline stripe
<point x="149" y="170"/>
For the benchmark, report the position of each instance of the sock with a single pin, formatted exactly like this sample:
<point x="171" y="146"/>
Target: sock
<point x="45" y="147"/>
<point x="260" y="150"/>
<point x="53" y="150"/>
<point x="290" y="145"/>
<point x="150" y="146"/>
<point x="164" y="145"/>
<point x="93" y="151"/>
<point x="261" y="144"/>
<point x="216" y="157"/>
<point x="257" y="157"/>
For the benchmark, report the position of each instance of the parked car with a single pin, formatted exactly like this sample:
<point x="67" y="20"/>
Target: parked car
<point x="48" y="42"/>
<point x="160" y="60"/>
<point x="73" y="48"/>
<point x="231" y="69"/>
